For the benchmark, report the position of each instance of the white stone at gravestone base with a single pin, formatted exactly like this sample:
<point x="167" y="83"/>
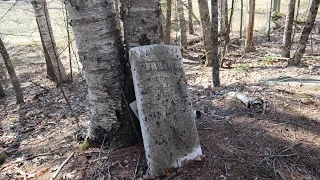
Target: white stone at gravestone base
<point x="168" y="128"/>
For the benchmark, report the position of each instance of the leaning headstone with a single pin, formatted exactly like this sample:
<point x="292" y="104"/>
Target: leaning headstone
<point x="168" y="128"/>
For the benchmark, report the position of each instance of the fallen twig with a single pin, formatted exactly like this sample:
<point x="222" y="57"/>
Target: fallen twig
<point x="136" y="169"/>
<point x="38" y="155"/>
<point x="62" y="165"/>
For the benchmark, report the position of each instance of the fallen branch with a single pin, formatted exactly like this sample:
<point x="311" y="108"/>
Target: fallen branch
<point x="62" y="165"/>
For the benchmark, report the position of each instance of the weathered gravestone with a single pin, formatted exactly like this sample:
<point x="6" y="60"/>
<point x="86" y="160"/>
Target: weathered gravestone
<point x="168" y="128"/>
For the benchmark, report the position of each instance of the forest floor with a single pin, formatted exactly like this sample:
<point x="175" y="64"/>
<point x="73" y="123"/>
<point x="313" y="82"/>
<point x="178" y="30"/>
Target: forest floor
<point x="38" y="135"/>
<point x="282" y="143"/>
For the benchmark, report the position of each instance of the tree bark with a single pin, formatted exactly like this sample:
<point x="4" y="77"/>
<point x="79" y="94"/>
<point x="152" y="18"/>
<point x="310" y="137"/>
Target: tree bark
<point x="12" y="73"/>
<point x="276" y="5"/>
<point x="44" y="26"/>
<point x="167" y="35"/>
<point x="296" y="60"/>
<point x="205" y="21"/>
<point x="2" y="93"/>
<point x="101" y="54"/>
<point x="182" y="24"/>
<point x="190" y="11"/>
<point x="117" y="6"/>
<point x="50" y="69"/>
<point x="249" y="44"/>
<point x="214" y="44"/>
<point x="241" y="17"/>
<point x="223" y="16"/>
<point x="286" y="46"/>
<point x="142" y="22"/>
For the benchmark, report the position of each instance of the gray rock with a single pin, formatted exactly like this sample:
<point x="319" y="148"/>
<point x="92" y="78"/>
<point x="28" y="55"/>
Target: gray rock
<point x="168" y="128"/>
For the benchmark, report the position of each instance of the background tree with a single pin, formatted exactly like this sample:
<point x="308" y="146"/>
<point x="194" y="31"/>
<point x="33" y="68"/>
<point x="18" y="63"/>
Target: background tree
<point x="286" y="45"/>
<point x="214" y="44"/>
<point x="241" y="17"/>
<point x="249" y="44"/>
<point x="205" y="22"/>
<point x="182" y="24"/>
<point x="296" y="60"/>
<point x="276" y="5"/>
<point x="11" y="72"/>
<point x="101" y="54"/>
<point x="190" y="11"/>
<point x="167" y="34"/>
<point x="44" y="26"/>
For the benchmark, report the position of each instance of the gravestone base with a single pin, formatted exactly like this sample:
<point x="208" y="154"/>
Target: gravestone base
<point x="168" y="127"/>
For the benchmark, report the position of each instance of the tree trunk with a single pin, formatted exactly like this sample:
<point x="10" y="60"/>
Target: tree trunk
<point x="249" y="44"/>
<point x="286" y="46"/>
<point x="276" y="5"/>
<point x="231" y="16"/>
<point x="101" y="54"/>
<point x="205" y="21"/>
<point x="223" y="16"/>
<point x="214" y="44"/>
<point x="190" y="11"/>
<point x="241" y="17"/>
<point x="142" y="22"/>
<point x="50" y="70"/>
<point x="296" y="60"/>
<point x="182" y="23"/>
<point x="269" y="21"/>
<point x="2" y="93"/>
<point x="44" y="26"/>
<point x="12" y="73"/>
<point x="296" y="20"/>
<point x="167" y="35"/>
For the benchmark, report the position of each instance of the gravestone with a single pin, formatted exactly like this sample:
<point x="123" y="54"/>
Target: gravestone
<point x="168" y="128"/>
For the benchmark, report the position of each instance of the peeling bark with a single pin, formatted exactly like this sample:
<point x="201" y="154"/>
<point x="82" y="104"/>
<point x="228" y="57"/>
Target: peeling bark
<point x="296" y="60"/>
<point x="44" y="26"/>
<point x="12" y="73"/>
<point x="101" y="54"/>
<point x="286" y="46"/>
<point x="205" y="21"/>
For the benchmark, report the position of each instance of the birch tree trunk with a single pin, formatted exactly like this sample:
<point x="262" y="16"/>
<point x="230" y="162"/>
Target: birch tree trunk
<point x="286" y="46"/>
<point x="205" y="21"/>
<point x="167" y="35"/>
<point x="12" y="73"/>
<point x="249" y="44"/>
<point x="2" y="93"/>
<point x="44" y="26"/>
<point x="214" y="44"/>
<point x="101" y="54"/>
<point x="190" y="11"/>
<point x="296" y="60"/>
<point x="182" y="24"/>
